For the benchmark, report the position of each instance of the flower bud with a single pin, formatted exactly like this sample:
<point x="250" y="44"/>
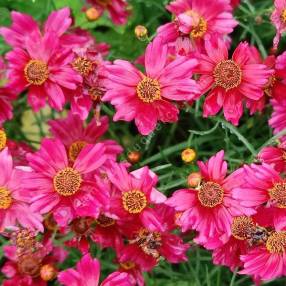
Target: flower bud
<point x="92" y="14"/>
<point x="48" y="272"/>
<point x="188" y="155"/>
<point x="194" y="179"/>
<point x="134" y="157"/>
<point x="141" y="32"/>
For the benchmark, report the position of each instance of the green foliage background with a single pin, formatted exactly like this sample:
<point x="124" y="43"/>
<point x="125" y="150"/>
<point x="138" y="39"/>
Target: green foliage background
<point x="161" y="149"/>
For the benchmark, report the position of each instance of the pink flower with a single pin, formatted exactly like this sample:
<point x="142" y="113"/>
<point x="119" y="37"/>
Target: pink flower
<point x="43" y="68"/>
<point x="210" y="208"/>
<point x="148" y="98"/>
<point x="278" y="19"/>
<point x="262" y="185"/>
<point x="148" y="244"/>
<point x="63" y="188"/>
<point x="278" y="117"/>
<point x="6" y="95"/>
<point x="24" y="26"/>
<point x="89" y="63"/>
<point x="195" y="21"/>
<point x="275" y="156"/>
<point x="135" y="193"/>
<point x="13" y="199"/>
<point x="87" y="274"/>
<point x="116" y="9"/>
<point x="75" y="135"/>
<point x="267" y="261"/>
<point x="230" y="81"/>
<point x="32" y="267"/>
<point x="18" y="151"/>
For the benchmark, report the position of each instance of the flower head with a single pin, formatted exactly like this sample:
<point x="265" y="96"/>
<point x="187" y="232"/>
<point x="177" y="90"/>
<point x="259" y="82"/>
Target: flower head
<point x="278" y="19"/>
<point x="147" y="98"/>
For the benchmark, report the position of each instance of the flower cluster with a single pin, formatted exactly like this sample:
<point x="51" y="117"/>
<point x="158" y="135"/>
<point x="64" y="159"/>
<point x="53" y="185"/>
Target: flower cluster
<point x="75" y="187"/>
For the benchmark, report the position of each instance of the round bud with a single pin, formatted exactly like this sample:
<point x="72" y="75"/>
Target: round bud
<point x="141" y="32"/>
<point x="48" y="272"/>
<point x="194" y="179"/>
<point x="92" y="14"/>
<point x="188" y="155"/>
<point x="134" y="157"/>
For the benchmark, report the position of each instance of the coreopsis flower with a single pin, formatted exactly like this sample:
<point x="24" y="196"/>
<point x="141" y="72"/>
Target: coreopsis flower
<point x="210" y="208"/>
<point x="263" y="185"/>
<point x="87" y="272"/>
<point x="136" y="192"/>
<point x="63" y="188"/>
<point x="42" y="67"/>
<point x="267" y="261"/>
<point x="13" y="199"/>
<point x="147" y="244"/>
<point x="147" y="98"/>
<point x="89" y="63"/>
<point x="229" y="82"/>
<point x="75" y="135"/>
<point x="6" y="95"/>
<point x="196" y="21"/>
<point x="278" y="18"/>
<point x="58" y="23"/>
<point x="115" y="8"/>
<point x="34" y="267"/>
<point x="275" y="156"/>
<point x="278" y="117"/>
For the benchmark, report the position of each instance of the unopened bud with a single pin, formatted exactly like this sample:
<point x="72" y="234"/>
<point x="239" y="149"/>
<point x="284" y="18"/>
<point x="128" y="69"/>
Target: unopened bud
<point x="188" y="155"/>
<point x="48" y="272"/>
<point x="92" y="14"/>
<point x="134" y="157"/>
<point x="141" y="32"/>
<point x="194" y="179"/>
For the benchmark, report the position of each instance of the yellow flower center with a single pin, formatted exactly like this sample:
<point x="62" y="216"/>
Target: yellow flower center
<point x="127" y="265"/>
<point x="276" y="242"/>
<point x="75" y="148"/>
<point x="278" y="194"/>
<point x="83" y="65"/>
<point x="241" y="227"/>
<point x="95" y="93"/>
<point x="5" y="198"/>
<point x="210" y="194"/>
<point x="227" y="74"/>
<point x="283" y="16"/>
<point x="105" y="221"/>
<point x="134" y="201"/>
<point x="3" y="139"/>
<point x="201" y="26"/>
<point x="148" y="90"/>
<point x="67" y="182"/>
<point x="36" y="72"/>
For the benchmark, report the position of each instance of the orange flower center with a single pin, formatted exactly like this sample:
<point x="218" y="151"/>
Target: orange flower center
<point x="283" y="16"/>
<point x="241" y="227"/>
<point x="134" y="201"/>
<point x="83" y="65"/>
<point x="95" y="93"/>
<point x="75" y="148"/>
<point x="148" y="90"/>
<point x="200" y="27"/>
<point x="67" y="182"/>
<point x="149" y="242"/>
<point x="127" y="265"/>
<point x="5" y="198"/>
<point x="3" y="139"/>
<point x="276" y="242"/>
<point x="29" y="265"/>
<point x="278" y="194"/>
<point x="270" y="84"/>
<point x="105" y="221"/>
<point x="227" y="74"/>
<point x="210" y="194"/>
<point x="48" y="272"/>
<point x="36" y="72"/>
